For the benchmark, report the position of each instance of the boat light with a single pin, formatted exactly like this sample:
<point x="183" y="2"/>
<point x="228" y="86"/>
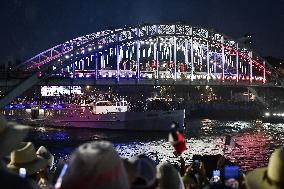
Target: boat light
<point x="267" y="114"/>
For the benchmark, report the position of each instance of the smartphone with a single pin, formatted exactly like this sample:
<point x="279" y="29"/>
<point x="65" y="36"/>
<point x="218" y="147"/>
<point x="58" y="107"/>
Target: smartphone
<point x="216" y="177"/>
<point x="216" y="173"/>
<point x="231" y="172"/>
<point x="22" y="172"/>
<point x="196" y="166"/>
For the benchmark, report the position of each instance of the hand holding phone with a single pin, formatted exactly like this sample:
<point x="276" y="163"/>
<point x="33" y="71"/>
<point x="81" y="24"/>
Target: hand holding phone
<point x="216" y="173"/>
<point x="196" y="166"/>
<point x="216" y="177"/>
<point x="22" y="172"/>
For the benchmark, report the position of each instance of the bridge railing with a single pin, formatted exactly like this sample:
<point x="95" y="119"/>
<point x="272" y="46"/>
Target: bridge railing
<point x="146" y="75"/>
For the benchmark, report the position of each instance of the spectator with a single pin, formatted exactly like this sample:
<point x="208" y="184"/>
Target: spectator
<point x="11" y="134"/>
<point x="131" y="171"/>
<point x="195" y="176"/>
<point x="43" y="152"/>
<point x="95" y="165"/>
<point x="25" y="157"/>
<point x="145" y="172"/>
<point x="36" y="166"/>
<point x="47" y="175"/>
<point x="268" y="177"/>
<point x="168" y="177"/>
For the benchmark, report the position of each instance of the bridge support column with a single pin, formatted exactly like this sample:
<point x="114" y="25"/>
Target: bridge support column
<point x="96" y="66"/>
<point x="170" y="55"/>
<point x="156" y="59"/>
<point x="223" y="59"/>
<point x="73" y="69"/>
<point x="118" y="62"/>
<point x="191" y="56"/>
<point x="102" y="61"/>
<point x="175" y="57"/>
<point x="250" y="67"/>
<point x="138" y="59"/>
<point x="207" y="59"/>
<point x="83" y="64"/>
<point x="186" y="55"/>
<point x="237" y="60"/>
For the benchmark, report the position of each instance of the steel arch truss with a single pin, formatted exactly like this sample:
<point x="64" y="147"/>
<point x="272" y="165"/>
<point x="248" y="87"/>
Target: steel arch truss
<point x="207" y="54"/>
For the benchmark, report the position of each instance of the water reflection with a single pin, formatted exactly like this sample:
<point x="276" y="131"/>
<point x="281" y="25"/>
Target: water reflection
<point x="253" y="141"/>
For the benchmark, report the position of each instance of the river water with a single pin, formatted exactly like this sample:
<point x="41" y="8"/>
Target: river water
<point x="252" y="144"/>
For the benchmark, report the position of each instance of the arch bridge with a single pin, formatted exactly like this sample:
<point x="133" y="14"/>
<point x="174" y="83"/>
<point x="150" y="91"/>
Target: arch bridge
<point x="158" y="54"/>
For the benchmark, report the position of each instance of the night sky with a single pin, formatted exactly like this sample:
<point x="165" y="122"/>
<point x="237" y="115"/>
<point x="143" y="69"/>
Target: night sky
<point x="30" y="26"/>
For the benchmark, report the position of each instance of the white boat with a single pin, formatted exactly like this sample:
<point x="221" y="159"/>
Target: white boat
<point x="114" y="116"/>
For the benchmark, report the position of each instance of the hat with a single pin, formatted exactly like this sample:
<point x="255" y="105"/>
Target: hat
<point x="95" y="165"/>
<point x="11" y="134"/>
<point x="146" y="172"/>
<point x="168" y="176"/>
<point x="44" y="153"/>
<point x="25" y="157"/>
<point x="271" y="177"/>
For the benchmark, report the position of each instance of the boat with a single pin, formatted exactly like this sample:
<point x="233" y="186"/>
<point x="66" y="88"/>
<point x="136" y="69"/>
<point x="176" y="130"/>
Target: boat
<point x="274" y="114"/>
<point x="273" y="117"/>
<point x="106" y="115"/>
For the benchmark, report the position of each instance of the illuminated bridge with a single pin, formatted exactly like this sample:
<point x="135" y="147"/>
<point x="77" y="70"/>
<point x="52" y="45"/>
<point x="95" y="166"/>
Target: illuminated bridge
<point x="159" y="54"/>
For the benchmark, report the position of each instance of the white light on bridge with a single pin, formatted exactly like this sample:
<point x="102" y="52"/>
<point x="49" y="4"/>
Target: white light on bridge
<point x="67" y="56"/>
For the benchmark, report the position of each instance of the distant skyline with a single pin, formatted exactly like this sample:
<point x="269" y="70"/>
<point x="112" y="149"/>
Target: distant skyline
<point x="30" y="27"/>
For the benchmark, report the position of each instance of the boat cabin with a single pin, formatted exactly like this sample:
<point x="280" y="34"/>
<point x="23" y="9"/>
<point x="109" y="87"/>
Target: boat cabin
<point x="104" y="107"/>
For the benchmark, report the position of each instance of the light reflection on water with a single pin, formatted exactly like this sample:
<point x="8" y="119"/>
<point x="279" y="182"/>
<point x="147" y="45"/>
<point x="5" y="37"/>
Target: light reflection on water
<point x="254" y="142"/>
